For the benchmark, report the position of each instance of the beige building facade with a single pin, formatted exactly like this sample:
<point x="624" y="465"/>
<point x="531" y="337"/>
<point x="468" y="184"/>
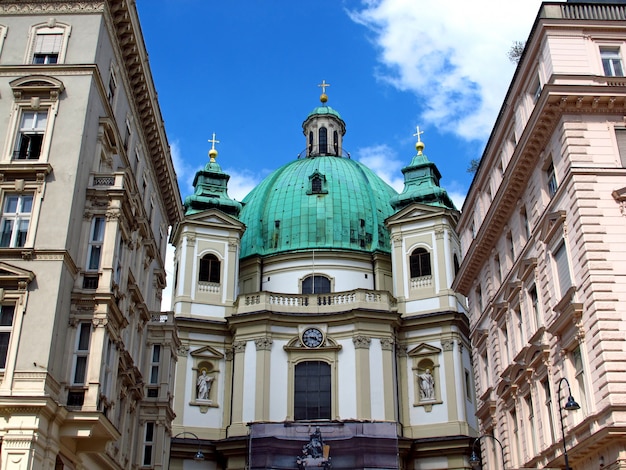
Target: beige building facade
<point x="318" y="314"/>
<point x="543" y="265"/>
<point x="87" y="193"/>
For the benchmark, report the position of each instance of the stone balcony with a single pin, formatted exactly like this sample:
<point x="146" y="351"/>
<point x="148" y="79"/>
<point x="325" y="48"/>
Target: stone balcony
<point x="334" y="302"/>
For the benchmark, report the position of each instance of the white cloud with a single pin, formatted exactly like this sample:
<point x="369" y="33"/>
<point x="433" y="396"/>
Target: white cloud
<point x="184" y="172"/>
<point x="241" y="182"/>
<point x="382" y="160"/>
<point x="452" y="54"/>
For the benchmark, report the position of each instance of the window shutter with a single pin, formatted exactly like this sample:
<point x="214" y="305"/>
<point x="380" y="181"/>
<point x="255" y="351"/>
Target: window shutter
<point x="620" y="135"/>
<point x="562" y="267"/>
<point x="48" y="43"/>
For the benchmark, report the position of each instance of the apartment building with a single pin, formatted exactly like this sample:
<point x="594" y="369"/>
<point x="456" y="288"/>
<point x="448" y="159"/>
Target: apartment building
<point x="542" y="233"/>
<point x="87" y="193"/>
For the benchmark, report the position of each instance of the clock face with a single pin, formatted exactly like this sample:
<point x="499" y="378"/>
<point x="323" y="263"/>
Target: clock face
<point x="312" y="337"/>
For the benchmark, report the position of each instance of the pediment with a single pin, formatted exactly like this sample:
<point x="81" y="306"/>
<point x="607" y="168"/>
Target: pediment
<point x="424" y="349"/>
<point x="215" y="217"/>
<point x="417" y="211"/>
<point x="31" y="85"/>
<point x="552" y="225"/>
<point x="14" y="278"/>
<point x="206" y="352"/>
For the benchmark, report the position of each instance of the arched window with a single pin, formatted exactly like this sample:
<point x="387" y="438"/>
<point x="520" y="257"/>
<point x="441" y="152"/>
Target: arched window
<point x="316" y="285"/>
<point x="420" y="263"/>
<point x="323" y="134"/>
<point x="456" y="264"/>
<point x="312" y="397"/>
<point x="336" y="142"/>
<point x="209" y="269"/>
<point x="310" y="142"/>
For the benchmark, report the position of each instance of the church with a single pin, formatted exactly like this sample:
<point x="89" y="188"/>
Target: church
<point x="317" y="322"/>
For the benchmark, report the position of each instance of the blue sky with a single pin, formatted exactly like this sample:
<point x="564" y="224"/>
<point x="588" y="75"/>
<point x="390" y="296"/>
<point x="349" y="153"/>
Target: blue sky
<point x="248" y="70"/>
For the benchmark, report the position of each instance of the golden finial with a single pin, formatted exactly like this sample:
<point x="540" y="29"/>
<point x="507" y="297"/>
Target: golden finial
<point x="419" y="146"/>
<point x="213" y="152"/>
<point x="324" y="96"/>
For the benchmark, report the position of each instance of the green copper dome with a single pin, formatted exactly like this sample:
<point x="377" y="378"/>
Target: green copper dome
<point x="322" y="202"/>
<point x="321" y="110"/>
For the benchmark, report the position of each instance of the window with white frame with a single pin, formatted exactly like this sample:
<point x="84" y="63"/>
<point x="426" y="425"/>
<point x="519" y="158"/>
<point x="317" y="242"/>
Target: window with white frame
<point x="81" y="353"/>
<point x="148" y="444"/>
<point x="525" y="223"/>
<point x="16" y="214"/>
<point x="551" y="180"/>
<point x="531" y="422"/>
<point x="96" y="238"/>
<point x="611" y="61"/>
<point x="535" y="89"/>
<point x="107" y="377"/>
<point x="419" y="263"/>
<point x="210" y="269"/>
<point x="534" y="302"/>
<point x="127" y="135"/>
<point x="620" y="137"/>
<point x="29" y="141"/>
<point x="7" y="313"/>
<point x="112" y="90"/>
<point x="547" y="396"/>
<point x="312" y="391"/>
<point x="155" y="365"/>
<point x="579" y="377"/>
<point x="48" y="45"/>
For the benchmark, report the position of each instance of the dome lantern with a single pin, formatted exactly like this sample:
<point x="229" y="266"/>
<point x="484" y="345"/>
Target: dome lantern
<point x="324" y="129"/>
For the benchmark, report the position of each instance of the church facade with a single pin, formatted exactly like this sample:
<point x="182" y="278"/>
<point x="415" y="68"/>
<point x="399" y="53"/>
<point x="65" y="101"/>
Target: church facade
<point x="317" y="322"/>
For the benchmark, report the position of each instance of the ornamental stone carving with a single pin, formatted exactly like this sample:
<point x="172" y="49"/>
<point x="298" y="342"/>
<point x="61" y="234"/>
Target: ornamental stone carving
<point x="386" y="344"/>
<point x="239" y="346"/>
<point x="183" y="350"/>
<point x="263" y="344"/>
<point x="361" y="342"/>
<point x="447" y="344"/>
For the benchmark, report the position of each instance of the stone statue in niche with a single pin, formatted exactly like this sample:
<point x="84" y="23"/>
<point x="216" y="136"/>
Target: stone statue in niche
<point x="427" y="385"/>
<point x="203" y="384"/>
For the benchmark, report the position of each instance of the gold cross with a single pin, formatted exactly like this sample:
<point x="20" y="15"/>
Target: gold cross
<point x="324" y="85"/>
<point x="418" y="133"/>
<point x="213" y="142"/>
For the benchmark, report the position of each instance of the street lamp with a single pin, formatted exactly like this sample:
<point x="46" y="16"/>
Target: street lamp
<point x="474" y="460"/>
<point x="199" y="455"/>
<point x="571" y="405"/>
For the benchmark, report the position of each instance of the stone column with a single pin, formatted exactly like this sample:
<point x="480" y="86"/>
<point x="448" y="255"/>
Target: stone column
<point x="362" y="366"/>
<point x="237" y="426"/>
<point x="263" y="371"/>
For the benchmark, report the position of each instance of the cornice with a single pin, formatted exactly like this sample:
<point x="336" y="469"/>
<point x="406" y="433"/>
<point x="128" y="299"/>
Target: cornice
<point x="125" y="23"/>
<point x="556" y="101"/>
<point x="51" y="7"/>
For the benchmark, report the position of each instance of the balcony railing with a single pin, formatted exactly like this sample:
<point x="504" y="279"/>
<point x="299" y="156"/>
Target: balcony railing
<point x="584" y="11"/>
<point x="317" y="303"/>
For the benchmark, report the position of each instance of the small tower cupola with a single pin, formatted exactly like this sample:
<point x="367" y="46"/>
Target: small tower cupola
<point x="324" y="129"/>
<point x="421" y="182"/>
<point x="210" y="188"/>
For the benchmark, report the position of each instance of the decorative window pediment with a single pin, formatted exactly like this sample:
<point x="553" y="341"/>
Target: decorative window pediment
<point x="206" y="352"/>
<point x="14" y="278"/>
<point x="552" y="226"/>
<point x="317" y="184"/>
<point x="37" y="86"/>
